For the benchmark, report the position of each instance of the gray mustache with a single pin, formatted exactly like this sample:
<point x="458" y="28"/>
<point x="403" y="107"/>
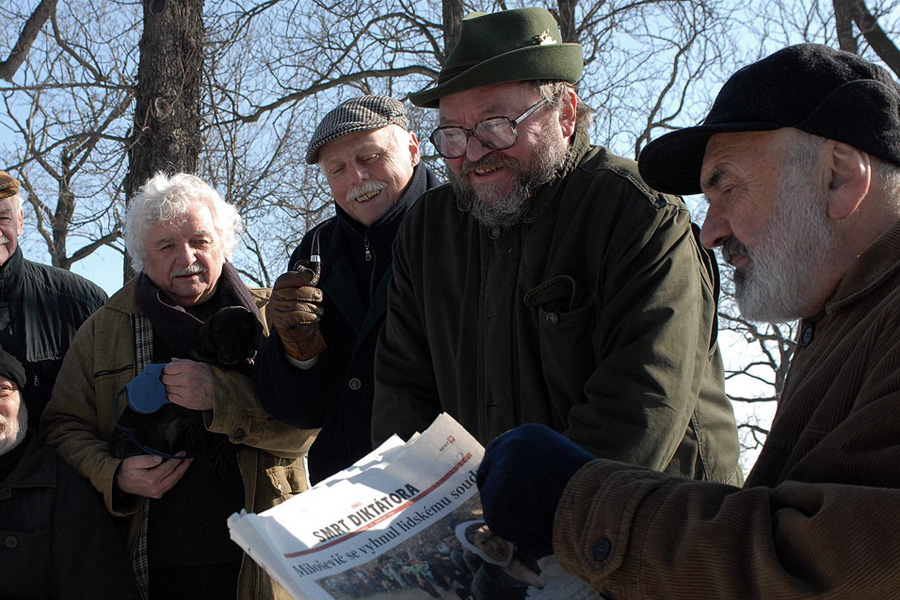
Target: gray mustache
<point x="191" y="270"/>
<point x="733" y="247"/>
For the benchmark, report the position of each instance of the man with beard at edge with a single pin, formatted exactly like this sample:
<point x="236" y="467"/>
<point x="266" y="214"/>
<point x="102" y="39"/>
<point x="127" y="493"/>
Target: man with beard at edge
<point x="799" y="159"/>
<point x="548" y="283"/>
<point x="316" y="369"/>
<point x="59" y="541"/>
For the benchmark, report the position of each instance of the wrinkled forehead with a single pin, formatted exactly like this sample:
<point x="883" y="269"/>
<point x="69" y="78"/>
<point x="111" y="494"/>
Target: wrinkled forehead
<point x="197" y="219"/>
<point x="487" y="101"/>
<point x="9" y="205"/>
<point x="358" y="141"/>
<point x="740" y="154"/>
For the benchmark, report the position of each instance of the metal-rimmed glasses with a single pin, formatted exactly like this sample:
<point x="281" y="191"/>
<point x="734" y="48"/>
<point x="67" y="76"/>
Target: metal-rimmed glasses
<point x="495" y="133"/>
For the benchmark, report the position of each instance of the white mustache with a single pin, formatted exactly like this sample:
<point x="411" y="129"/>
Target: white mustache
<point x="366" y="187"/>
<point x="191" y="270"/>
<point x="3" y="239"/>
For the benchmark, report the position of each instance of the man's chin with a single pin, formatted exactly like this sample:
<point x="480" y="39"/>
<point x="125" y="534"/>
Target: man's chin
<point x="189" y="295"/>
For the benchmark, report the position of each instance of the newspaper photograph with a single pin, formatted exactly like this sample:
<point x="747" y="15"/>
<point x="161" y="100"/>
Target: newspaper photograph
<point x="404" y="522"/>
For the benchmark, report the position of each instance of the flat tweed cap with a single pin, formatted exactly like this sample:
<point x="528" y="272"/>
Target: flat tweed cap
<point x="523" y="44"/>
<point x="357" y="114"/>
<point x="11" y="368"/>
<point x="9" y="185"/>
<point x="817" y="89"/>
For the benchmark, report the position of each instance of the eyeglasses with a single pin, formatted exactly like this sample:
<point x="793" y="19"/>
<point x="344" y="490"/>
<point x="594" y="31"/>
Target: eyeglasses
<point x="496" y="133"/>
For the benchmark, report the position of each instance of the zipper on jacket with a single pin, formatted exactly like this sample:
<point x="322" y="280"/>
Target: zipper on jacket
<point x="368" y="252"/>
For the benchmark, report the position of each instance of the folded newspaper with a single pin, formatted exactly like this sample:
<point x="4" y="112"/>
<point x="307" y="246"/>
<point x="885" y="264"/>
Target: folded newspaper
<point x="404" y="522"/>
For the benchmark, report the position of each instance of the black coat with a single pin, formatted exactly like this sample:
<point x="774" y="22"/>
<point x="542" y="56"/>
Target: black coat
<point x="336" y="394"/>
<point x="41" y="308"/>
<point x="56" y="539"/>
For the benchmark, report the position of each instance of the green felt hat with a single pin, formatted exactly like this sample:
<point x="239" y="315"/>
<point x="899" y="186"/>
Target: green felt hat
<point x="510" y="45"/>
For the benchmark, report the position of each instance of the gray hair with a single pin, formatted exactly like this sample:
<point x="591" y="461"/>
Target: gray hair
<point x="802" y="149"/>
<point x="165" y="199"/>
<point x="887" y="175"/>
<point x="552" y="92"/>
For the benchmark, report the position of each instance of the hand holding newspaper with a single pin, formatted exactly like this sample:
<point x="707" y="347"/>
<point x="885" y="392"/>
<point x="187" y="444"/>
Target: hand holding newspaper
<point x="403" y="522"/>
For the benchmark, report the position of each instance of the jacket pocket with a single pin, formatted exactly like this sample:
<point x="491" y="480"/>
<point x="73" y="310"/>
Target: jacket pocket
<point x="24" y="553"/>
<point x="566" y="314"/>
<point x="288" y="480"/>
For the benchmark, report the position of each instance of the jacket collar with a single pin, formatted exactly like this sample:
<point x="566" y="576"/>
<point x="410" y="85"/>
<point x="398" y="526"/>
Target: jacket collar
<point x="11" y="273"/>
<point x="32" y="470"/>
<point x="178" y="328"/>
<point x="878" y="263"/>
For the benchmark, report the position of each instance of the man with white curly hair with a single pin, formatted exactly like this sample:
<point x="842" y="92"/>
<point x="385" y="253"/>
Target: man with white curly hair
<point x="180" y="234"/>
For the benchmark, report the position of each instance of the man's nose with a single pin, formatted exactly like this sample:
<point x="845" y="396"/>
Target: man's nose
<point x="357" y="174"/>
<point x="475" y="150"/>
<point x="186" y="255"/>
<point x="716" y="228"/>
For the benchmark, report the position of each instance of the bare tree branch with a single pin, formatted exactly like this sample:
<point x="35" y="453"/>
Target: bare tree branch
<point x="33" y="25"/>
<point x="868" y="25"/>
<point x="843" y="20"/>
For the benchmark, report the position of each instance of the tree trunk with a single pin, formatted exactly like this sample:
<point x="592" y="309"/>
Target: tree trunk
<point x="29" y="32"/>
<point x="566" y="19"/>
<point x="875" y="35"/>
<point x="843" y="20"/>
<point x="166" y="133"/>
<point x="453" y="14"/>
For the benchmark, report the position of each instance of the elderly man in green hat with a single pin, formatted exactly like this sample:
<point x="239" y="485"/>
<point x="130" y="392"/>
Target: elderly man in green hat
<point x="548" y="283"/>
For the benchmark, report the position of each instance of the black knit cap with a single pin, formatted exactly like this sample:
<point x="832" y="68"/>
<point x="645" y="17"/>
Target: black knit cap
<point x="12" y="369"/>
<point x="357" y="114"/>
<point x="817" y="89"/>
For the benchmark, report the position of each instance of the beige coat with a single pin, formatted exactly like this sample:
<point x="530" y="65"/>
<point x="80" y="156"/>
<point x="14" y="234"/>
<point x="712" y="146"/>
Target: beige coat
<point x="78" y="422"/>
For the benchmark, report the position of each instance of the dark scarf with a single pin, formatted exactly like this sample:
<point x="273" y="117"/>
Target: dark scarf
<point x="213" y="483"/>
<point x="178" y="329"/>
<point x="10" y="286"/>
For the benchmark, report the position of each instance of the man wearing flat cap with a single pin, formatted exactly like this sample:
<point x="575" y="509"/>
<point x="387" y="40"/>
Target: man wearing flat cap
<point x="799" y="159"/>
<point x="41" y="306"/>
<point x="548" y="283"/>
<point x="316" y="368"/>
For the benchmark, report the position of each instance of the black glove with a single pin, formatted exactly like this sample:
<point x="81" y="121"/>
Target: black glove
<point x="521" y="480"/>
<point x="297" y="310"/>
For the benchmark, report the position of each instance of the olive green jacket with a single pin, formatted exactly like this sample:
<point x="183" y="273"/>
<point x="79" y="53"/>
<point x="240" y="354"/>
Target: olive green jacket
<point x="595" y="315"/>
<point x="819" y="516"/>
<point x="78" y="421"/>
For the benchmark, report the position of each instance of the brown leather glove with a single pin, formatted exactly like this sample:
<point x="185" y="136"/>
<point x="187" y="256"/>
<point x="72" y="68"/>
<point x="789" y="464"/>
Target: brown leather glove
<point x="296" y="312"/>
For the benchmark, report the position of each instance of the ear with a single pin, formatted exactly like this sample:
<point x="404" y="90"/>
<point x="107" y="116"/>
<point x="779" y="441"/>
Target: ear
<point x="20" y="226"/>
<point x="414" y="148"/>
<point x="568" y="112"/>
<point x="848" y="178"/>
